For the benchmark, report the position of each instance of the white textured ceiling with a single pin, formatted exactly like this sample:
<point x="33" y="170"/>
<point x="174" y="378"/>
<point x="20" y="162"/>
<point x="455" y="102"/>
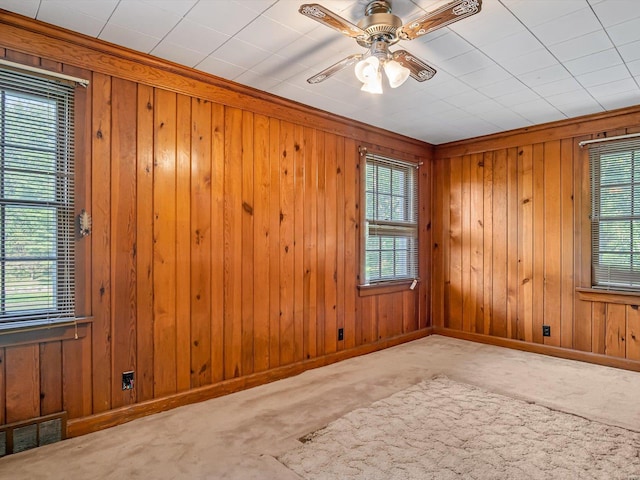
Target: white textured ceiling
<point x="516" y="63"/>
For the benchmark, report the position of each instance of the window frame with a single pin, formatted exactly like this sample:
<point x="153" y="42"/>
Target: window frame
<point x="398" y="283"/>
<point x="31" y="82"/>
<point x="607" y="277"/>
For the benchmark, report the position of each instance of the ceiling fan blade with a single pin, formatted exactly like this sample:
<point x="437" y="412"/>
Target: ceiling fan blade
<point x="330" y="19"/>
<point x="335" y="68"/>
<point x="420" y="71"/>
<point x="441" y="17"/>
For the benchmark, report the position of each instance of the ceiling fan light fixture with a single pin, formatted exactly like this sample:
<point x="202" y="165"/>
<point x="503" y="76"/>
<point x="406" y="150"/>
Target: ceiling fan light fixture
<point x="396" y="74"/>
<point x="367" y="69"/>
<point x="373" y="85"/>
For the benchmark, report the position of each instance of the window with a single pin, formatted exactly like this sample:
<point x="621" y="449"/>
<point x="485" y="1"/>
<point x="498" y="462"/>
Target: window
<point x="391" y="220"/>
<point x="615" y="214"/>
<point x="37" y="226"/>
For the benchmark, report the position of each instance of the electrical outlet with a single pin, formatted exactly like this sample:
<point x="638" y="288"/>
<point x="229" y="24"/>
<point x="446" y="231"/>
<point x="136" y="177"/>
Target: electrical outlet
<point x="340" y="334"/>
<point x="127" y="380"/>
<point x="546" y="330"/>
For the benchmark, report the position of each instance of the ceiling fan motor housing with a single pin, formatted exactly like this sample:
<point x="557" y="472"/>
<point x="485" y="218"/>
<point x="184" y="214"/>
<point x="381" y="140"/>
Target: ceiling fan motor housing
<point x="379" y="24"/>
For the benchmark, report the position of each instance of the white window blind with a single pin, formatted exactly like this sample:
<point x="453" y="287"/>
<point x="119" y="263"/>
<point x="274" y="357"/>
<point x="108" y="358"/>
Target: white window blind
<point x="37" y="226"/>
<point x="615" y="214"/>
<point x="391" y="220"/>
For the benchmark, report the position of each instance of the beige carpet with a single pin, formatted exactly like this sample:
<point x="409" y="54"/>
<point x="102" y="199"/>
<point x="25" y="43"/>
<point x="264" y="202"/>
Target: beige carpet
<point x="442" y="429"/>
<point x="239" y="436"/>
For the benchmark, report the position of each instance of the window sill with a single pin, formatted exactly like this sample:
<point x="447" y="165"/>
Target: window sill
<point x="382" y="288"/>
<point x="608" y="296"/>
<point x="46" y="333"/>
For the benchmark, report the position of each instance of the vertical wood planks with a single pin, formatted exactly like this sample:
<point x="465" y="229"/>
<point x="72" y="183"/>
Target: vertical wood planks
<point x="123" y="235"/>
<point x="310" y="225"/>
<point x="261" y="239"/>
<point x="50" y="377"/>
<point x="217" y="241"/>
<point x="438" y="241"/>
<point x="598" y="322"/>
<point x="340" y="239"/>
<point x="233" y="244"/>
<point x="287" y="199"/>
<point x="247" y="244"/>
<point x="567" y="242"/>
<point x="100" y="242"/>
<point x="164" y="255"/>
<point x="390" y="315"/>
<point x="330" y="260"/>
<point x="533" y="330"/>
<point x="409" y="315"/>
<point x="76" y="379"/>
<point x="144" y="244"/>
<point x="298" y="244"/>
<point x="487" y="278"/>
<point x="552" y="242"/>
<point x="274" y="244"/>
<point x="321" y="198"/>
<point x="201" y="246"/>
<point x="616" y="330"/>
<point x="476" y="245"/>
<point x="183" y="242"/>
<point x="445" y="243"/>
<point x="514" y="198"/>
<point x="22" y="381"/>
<point x="351" y="235"/>
<point x="525" y="244"/>
<point x="467" y="291"/>
<point x="369" y="307"/>
<point x="535" y="249"/>
<point x="632" y="337"/>
<point x="453" y="314"/>
<point x="422" y="314"/>
<point x="499" y="242"/>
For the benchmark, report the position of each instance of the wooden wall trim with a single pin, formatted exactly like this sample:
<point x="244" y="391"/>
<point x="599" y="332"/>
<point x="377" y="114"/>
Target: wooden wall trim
<point x="552" y="351"/>
<point x="572" y="127"/>
<point x="117" y="416"/>
<point x="37" y="38"/>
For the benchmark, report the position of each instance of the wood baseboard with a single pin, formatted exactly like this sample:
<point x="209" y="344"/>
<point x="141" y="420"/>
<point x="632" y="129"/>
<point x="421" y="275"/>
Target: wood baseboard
<point x="117" y="416"/>
<point x="559" y="352"/>
<point x="92" y="423"/>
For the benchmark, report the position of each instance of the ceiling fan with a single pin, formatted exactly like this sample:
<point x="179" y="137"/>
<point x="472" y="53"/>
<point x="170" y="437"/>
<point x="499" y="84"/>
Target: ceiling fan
<point x="377" y="31"/>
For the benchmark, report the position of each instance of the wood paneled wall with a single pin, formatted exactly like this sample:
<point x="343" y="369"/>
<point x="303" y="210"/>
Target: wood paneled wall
<point x="224" y="243"/>
<point x="511" y="241"/>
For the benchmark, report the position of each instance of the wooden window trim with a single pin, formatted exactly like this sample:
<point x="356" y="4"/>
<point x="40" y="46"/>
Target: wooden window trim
<point x="43" y="333"/>
<point x="608" y="296"/>
<point x="384" y="287"/>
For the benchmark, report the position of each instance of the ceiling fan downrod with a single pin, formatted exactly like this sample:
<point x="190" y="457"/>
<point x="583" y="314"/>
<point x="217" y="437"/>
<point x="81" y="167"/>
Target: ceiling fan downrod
<point x="378" y="6"/>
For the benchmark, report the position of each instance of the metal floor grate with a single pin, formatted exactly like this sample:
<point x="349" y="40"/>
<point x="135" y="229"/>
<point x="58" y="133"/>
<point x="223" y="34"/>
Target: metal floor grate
<point x="21" y="436"/>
